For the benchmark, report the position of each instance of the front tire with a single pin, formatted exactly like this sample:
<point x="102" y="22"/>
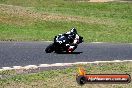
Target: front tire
<point x="50" y="48"/>
<point x="81" y="80"/>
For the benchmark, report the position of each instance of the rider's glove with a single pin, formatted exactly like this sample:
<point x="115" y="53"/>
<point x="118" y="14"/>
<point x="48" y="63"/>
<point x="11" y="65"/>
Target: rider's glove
<point x="76" y="41"/>
<point x="67" y="44"/>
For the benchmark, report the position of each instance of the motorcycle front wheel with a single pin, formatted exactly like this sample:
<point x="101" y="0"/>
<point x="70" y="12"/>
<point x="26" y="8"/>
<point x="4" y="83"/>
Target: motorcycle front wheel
<point x="50" y="48"/>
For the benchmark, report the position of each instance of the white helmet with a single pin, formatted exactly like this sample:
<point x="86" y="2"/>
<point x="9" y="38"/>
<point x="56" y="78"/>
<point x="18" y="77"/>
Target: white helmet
<point x="73" y="30"/>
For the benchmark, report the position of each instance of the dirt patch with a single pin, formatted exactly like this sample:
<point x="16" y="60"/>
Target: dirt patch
<point x="100" y="0"/>
<point x="95" y="0"/>
<point x="21" y="15"/>
<point x="110" y="0"/>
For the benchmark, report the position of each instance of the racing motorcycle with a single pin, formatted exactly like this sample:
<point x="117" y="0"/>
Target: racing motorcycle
<point x="61" y="44"/>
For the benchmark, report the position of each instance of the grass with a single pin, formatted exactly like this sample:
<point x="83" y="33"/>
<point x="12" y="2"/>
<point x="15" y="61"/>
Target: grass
<point x="38" y="20"/>
<point x="65" y="78"/>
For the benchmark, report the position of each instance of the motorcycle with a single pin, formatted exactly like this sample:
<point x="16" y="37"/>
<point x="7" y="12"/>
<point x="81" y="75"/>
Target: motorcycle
<point x="60" y="44"/>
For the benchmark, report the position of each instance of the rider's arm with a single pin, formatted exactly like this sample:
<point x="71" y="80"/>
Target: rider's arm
<point x="76" y="40"/>
<point x="56" y="37"/>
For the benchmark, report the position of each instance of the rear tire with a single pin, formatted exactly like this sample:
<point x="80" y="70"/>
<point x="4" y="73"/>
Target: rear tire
<point x="50" y="48"/>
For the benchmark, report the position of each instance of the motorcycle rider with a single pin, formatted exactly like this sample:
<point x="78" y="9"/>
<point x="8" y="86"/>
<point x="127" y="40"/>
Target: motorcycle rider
<point x="72" y="39"/>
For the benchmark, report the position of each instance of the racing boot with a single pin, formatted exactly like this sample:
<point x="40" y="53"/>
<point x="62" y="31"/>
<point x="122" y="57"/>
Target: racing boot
<point x="71" y="48"/>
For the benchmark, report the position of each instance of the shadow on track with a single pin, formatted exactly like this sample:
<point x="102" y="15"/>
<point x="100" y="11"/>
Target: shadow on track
<point x="69" y="53"/>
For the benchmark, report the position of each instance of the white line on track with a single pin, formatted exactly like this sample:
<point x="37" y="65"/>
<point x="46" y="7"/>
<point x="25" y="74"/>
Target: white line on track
<point x="96" y="42"/>
<point x="90" y="42"/>
<point x="60" y="64"/>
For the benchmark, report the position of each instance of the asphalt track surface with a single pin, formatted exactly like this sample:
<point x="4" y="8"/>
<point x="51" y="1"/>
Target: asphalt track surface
<point x="33" y="53"/>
